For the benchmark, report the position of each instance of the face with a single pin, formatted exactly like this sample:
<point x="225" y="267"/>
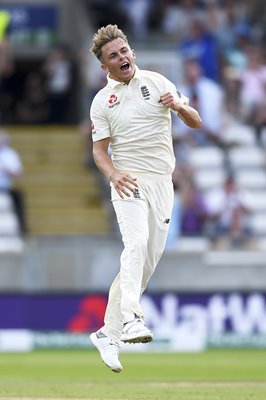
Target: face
<point x="119" y="60"/>
<point x="192" y="71"/>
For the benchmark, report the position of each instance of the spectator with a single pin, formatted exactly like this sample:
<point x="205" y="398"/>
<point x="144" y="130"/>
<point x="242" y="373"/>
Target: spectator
<point x="229" y="211"/>
<point x="103" y="12"/>
<point x="93" y="79"/>
<point x="227" y="22"/>
<point x="137" y="12"/>
<point x="234" y="63"/>
<point x="5" y="56"/>
<point x="58" y="71"/>
<point x="202" y="45"/>
<point x="257" y="18"/>
<point x="177" y="18"/>
<point x="11" y="169"/>
<point x="33" y="108"/>
<point x="253" y="91"/>
<point x="208" y="98"/>
<point x="193" y="210"/>
<point x="233" y="33"/>
<point x="8" y="83"/>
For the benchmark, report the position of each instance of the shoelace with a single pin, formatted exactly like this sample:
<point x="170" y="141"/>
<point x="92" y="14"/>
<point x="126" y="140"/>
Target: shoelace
<point x="137" y="321"/>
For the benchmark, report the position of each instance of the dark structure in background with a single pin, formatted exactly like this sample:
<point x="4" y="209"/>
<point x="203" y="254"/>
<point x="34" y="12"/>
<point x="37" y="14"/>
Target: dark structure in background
<point x="38" y="69"/>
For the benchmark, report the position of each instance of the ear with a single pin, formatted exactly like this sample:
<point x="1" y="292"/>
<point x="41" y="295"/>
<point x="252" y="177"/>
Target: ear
<point x="133" y="53"/>
<point x="104" y="67"/>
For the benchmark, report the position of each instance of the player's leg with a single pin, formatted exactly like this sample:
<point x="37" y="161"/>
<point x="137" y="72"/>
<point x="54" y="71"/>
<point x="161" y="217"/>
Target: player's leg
<point x="108" y="349"/>
<point x="124" y="295"/>
<point x="107" y="338"/>
<point x="161" y="198"/>
<point x="132" y="217"/>
<point x="113" y="318"/>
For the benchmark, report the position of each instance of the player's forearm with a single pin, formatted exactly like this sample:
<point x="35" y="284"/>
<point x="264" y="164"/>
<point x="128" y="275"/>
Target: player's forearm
<point x="189" y="116"/>
<point x="104" y="163"/>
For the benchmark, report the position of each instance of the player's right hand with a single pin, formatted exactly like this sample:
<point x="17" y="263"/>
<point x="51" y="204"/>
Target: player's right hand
<point x="124" y="183"/>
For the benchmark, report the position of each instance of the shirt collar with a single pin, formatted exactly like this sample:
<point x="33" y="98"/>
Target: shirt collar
<point x="113" y="83"/>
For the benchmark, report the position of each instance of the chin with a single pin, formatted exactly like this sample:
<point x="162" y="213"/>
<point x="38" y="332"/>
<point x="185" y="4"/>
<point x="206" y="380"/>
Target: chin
<point x="129" y="74"/>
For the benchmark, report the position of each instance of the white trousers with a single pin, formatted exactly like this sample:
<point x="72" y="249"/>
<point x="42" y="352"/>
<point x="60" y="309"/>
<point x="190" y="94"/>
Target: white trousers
<point x="143" y="221"/>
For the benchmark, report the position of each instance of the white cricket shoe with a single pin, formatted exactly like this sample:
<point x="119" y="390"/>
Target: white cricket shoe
<point x="109" y="350"/>
<point x="136" y="332"/>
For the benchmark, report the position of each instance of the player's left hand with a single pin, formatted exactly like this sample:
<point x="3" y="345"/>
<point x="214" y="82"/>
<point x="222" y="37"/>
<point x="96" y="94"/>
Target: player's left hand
<point x="169" y="100"/>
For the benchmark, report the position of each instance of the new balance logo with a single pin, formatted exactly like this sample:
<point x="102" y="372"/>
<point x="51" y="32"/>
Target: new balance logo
<point x="136" y="194"/>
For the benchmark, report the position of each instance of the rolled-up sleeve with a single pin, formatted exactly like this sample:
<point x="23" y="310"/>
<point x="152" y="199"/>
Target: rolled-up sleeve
<point x="179" y="97"/>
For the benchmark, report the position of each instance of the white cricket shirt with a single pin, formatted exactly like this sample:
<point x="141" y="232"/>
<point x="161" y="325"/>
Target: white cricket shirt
<point x="138" y="125"/>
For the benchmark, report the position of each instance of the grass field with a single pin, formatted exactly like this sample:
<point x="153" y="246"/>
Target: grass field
<point x="58" y="374"/>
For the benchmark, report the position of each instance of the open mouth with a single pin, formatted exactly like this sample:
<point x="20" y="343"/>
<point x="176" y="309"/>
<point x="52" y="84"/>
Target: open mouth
<point x="124" y="66"/>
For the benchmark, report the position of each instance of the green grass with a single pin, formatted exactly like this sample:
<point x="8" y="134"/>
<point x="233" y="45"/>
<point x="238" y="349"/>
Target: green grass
<point x="212" y="375"/>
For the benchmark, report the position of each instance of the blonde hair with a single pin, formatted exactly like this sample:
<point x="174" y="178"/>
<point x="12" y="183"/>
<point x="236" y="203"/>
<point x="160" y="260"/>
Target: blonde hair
<point x="104" y="35"/>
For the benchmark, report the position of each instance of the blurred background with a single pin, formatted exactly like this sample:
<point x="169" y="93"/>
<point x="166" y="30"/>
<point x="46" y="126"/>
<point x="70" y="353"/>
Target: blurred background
<point x="59" y="242"/>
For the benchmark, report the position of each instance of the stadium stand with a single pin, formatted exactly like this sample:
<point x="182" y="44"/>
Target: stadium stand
<point x="248" y="164"/>
<point x="239" y="134"/>
<point x="208" y="163"/>
<point x="247" y="157"/>
<point x="62" y="196"/>
<point x="258" y="223"/>
<point x="251" y="179"/>
<point x="207" y="157"/>
<point x="209" y="178"/>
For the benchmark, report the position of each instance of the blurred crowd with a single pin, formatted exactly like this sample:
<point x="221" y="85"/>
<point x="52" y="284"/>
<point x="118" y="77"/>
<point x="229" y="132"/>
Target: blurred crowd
<point x="40" y="95"/>
<point x="220" y="43"/>
<point x="224" y="36"/>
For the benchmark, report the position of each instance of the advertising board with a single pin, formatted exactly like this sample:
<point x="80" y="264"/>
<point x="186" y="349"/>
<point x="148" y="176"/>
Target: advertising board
<point x="180" y="322"/>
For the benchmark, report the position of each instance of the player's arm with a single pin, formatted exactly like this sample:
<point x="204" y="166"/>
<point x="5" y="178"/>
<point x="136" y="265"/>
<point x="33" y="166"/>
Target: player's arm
<point x="123" y="182"/>
<point x="188" y="114"/>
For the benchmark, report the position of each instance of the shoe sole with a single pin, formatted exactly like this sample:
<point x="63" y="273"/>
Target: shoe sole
<point x="116" y="370"/>
<point x="140" y="339"/>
